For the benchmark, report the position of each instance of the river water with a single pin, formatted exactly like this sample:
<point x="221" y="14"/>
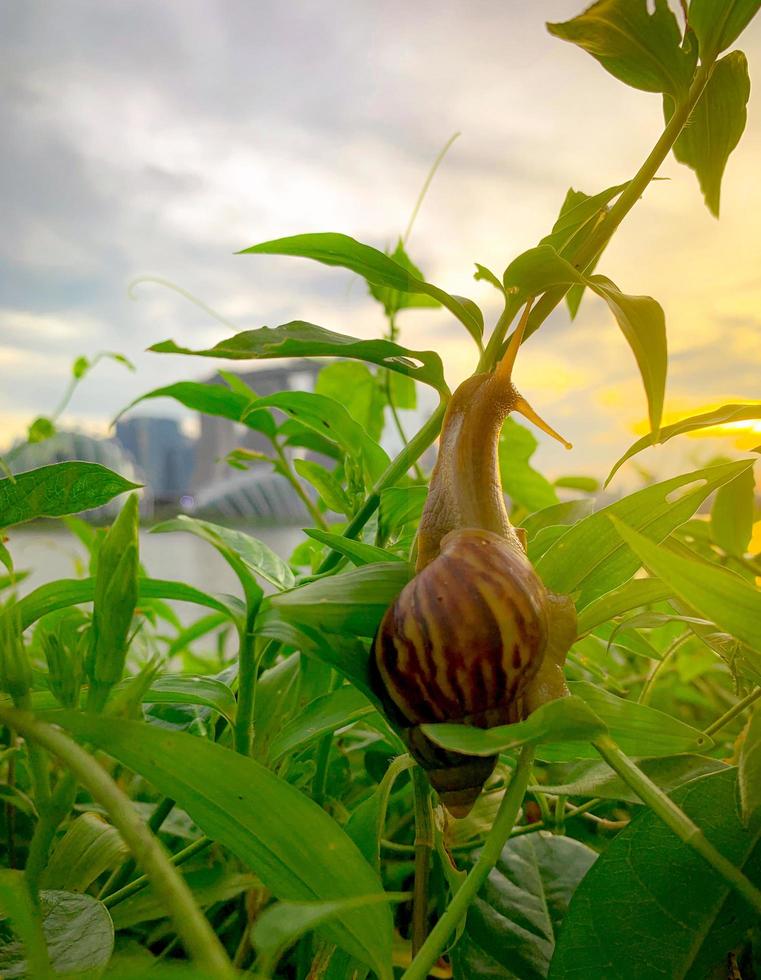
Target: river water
<point x="50" y="551"/>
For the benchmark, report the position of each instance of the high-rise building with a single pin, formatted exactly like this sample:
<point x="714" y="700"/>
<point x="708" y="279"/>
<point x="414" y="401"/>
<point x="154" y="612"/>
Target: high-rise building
<point x="162" y="451"/>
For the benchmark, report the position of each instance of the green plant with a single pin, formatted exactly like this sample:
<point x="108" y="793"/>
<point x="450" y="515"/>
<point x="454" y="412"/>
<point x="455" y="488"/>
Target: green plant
<point x="626" y="810"/>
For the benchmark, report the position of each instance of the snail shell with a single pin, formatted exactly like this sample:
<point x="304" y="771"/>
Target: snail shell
<point x="461" y="644"/>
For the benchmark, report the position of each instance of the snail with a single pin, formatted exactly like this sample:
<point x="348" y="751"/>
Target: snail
<point x="475" y="637"/>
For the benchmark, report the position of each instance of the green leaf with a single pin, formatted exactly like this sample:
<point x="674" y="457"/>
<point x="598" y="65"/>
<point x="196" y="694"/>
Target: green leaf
<point x="41" y="429"/>
<point x="325" y="483"/>
<point x="707" y="420"/>
<point x="556" y="515"/>
<point x="16" y="902"/>
<point x="192" y="689"/>
<point x="596" y="779"/>
<point x="325" y="714"/>
<point x="329" y="418"/>
<point x="58" y="489"/>
<point x="715" y="125"/>
<point x="638" y="592"/>
<point x="352" y="603"/>
<point x="579" y="211"/>
<point x="512" y="926"/>
<point x="71" y="592"/>
<point x="521" y="482"/>
<point x="211" y="399"/>
<point x="718" y="25"/>
<point x="564" y="720"/>
<point x="587" y="484"/>
<point x="374" y="266"/>
<point x="291" y="843"/>
<point x="723" y="597"/>
<point x="402" y="391"/>
<point x="643" y="325"/>
<point x="749" y="773"/>
<point x="394" y="300"/>
<point x="357" y="552"/>
<point x="400" y="506"/>
<point x="280" y="925"/>
<point x="637" y="47"/>
<point x="732" y="514"/>
<point x="89" y="847"/>
<point x="353" y="385"/>
<point x="79" y="934"/>
<point x="657" y="908"/>
<point x="537" y="269"/>
<point x="590" y="558"/>
<point x="235" y="547"/>
<point x="301" y="339"/>
<point x="482" y="273"/>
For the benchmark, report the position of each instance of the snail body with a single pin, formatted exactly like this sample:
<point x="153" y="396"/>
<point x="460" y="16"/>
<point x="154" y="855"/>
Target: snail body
<point x="475" y="637"/>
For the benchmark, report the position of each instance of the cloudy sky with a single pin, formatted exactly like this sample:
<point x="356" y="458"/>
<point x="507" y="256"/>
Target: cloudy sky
<point x="156" y="139"/>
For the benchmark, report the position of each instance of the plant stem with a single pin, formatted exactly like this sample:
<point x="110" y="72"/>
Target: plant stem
<point x="423" y="849"/>
<point x="122" y="875"/>
<point x="170" y="887"/>
<point x="247" y="676"/>
<point x="647" y="688"/>
<point x="287" y="472"/>
<point x="676" y="819"/>
<point x="458" y="906"/>
<point x="58" y="805"/>
<point x="733" y="712"/>
<point x="399" y="427"/>
<point x="139" y="883"/>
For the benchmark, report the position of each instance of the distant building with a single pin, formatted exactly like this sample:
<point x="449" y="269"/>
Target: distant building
<point x="163" y="453"/>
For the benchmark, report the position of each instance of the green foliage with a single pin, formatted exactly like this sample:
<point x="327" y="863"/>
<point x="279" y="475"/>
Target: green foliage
<point x="248" y="731"/>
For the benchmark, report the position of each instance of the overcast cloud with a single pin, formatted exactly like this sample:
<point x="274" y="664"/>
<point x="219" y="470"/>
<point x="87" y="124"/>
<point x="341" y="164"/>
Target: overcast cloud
<point x="150" y="138"/>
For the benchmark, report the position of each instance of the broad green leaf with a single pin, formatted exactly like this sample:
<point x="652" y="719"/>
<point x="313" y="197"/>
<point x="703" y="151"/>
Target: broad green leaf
<point x="715" y="125"/>
<point x="236" y="545"/>
<point x="521" y="482"/>
<point x="357" y="552"/>
<point x="718" y="25"/>
<point x="643" y="325"/>
<point x="590" y="558"/>
<point x="277" y="696"/>
<point x="593" y="779"/>
<point x="564" y="720"/>
<point x="587" y="484"/>
<point x="79" y="933"/>
<point x="579" y="210"/>
<point x="211" y="399"/>
<point x="26" y="921"/>
<point x="402" y="391"/>
<point x="590" y="711"/>
<point x="326" y="484"/>
<point x="723" y="597"/>
<point x="400" y="506"/>
<point x="732" y="514"/>
<point x="329" y="418"/>
<point x="557" y="514"/>
<point x="191" y="689"/>
<point x="58" y="489"/>
<point x="301" y="339"/>
<point x="352" y="603"/>
<point x="280" y="925"/>
<point x="482" y="273"/>
<point x="394" y="300"/>
<point x="326" y="714"/>
<point x="291" y="843"/>
<point x="512" y="926"/>
<point x="638" y="592"/>
<point x="374" y="266"/>
<point x="657" y="908"/>
<point x="536" y="270"/>
<point x="355" y="386"/>
<point x="71" y="592"/>
<point x="706" y="420"/>
<point x="639" y="48"/>
<point x="749" y="775"/>
<point x="89" y="847"/>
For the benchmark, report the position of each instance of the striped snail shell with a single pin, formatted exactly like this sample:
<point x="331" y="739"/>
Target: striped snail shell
<point x="475" y="637"/>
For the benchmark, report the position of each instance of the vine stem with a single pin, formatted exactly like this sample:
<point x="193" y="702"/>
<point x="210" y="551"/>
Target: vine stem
<point x="458" y="906"/>
<point x="424" y="841"/>
<point x="247" y="677"/>
<point x="202" y="844"/>
<point x="676" y="819"/>
<point x="294" y="481"/>
<point x="121" y="875"/>
<point x="733" y="712"/>
<point x="170" y="887"/>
